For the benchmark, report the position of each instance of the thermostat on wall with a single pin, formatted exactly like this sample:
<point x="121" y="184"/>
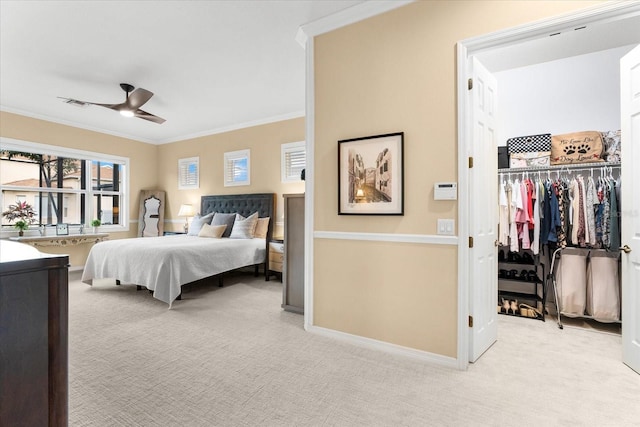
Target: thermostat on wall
<point x="445" y="191"/>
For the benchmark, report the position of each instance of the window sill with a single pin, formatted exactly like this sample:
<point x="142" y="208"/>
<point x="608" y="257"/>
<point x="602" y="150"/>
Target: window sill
<point x="70" y="240"/>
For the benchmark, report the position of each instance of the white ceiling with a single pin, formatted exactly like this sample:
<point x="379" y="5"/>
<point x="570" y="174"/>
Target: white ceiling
<point x="212" y="65"/>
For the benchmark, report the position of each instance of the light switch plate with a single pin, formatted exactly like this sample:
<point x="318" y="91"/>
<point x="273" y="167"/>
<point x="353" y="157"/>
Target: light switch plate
<point x="446" y="227"/>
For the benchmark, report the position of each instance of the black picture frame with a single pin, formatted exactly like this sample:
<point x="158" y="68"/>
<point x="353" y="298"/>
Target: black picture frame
<point x="62" y="229"/>
<point x="371" y="175"/>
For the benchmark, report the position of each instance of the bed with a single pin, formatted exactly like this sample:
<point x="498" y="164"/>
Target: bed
<point x="164" y="264"/>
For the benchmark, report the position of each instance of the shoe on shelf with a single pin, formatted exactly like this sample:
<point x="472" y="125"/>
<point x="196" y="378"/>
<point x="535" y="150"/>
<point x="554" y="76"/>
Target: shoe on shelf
<point x="532" y="276"/>
<point x="505" y="306"/>
<point x="527" y="258"/>
<point x="514" y="307"/>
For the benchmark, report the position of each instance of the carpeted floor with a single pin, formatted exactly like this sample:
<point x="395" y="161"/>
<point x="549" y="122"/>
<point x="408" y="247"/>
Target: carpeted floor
<point x="231" y="357"/>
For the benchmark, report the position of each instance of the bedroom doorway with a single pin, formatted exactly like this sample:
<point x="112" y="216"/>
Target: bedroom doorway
<point x="479" y="263"/>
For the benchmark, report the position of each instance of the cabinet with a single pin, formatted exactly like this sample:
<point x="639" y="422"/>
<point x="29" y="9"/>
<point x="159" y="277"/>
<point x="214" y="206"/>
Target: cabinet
<point x="293" y="266"/>
<point x="33" y="336"/>
<point x="521" y="286"/>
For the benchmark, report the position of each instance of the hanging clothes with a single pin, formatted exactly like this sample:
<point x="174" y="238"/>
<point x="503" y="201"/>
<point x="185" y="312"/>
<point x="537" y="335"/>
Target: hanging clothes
<point x="516" y="203"/>
<point x="614" y="230"/>
<point x="561" y="231"/>
<point x="590" y="211"/>
<point x="535" y="244"/>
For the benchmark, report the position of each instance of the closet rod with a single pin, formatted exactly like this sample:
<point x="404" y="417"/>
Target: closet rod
<point x="584" y="166"/>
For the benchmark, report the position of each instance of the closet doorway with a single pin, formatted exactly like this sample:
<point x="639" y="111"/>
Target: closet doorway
<point x="542" y="42"/>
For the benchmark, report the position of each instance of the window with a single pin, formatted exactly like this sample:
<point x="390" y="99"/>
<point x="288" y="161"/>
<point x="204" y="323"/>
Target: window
<point x="293" y="161"/>
<point x="189" y="173"/>
<point x="64" y="185"/>
<point x="237" y="168"/>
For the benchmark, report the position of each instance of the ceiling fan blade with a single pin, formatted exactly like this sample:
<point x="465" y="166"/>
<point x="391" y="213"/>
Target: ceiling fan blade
<point x="138" y="98"/>
<point x="116" y="107"/>
<point x="148" y="116"/>
<point x="75" y="102"/>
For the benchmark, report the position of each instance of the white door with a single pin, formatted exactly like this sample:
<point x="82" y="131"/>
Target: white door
<point x="630" y="201"/>
<point x="483" y="221"/>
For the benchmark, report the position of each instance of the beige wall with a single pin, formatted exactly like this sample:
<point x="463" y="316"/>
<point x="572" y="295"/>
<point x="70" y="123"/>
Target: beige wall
<point x="390" y="73"/>
<point x="264" y="141"/>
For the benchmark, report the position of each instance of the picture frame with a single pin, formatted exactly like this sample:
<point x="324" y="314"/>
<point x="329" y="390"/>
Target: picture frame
<point x="371" y="175"/>
<point x="62" y="229"/>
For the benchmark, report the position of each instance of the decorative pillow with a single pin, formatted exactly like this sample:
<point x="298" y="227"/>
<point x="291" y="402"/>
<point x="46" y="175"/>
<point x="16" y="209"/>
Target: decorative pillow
<point x="244" y="228"/>
<point x="262" y="227"/>
<point x="214" y="231"/>
<point x="197" y="222"/>
<point x="224" y="219"/>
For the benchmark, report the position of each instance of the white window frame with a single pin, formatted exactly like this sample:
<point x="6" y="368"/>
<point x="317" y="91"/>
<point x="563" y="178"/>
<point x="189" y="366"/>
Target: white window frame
<point x="187" y="180"/>
<point x="286" y="151"/>
<point x="229" y="170"/>
<point x="124" y="192"/>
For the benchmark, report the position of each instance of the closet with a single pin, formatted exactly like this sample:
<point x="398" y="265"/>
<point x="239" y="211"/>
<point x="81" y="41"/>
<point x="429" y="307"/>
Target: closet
<point x="564" y="233"/>
<point x="554" y="97"/>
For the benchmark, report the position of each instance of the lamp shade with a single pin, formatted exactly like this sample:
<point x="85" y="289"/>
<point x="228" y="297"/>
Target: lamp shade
<point x="185" y="210"/>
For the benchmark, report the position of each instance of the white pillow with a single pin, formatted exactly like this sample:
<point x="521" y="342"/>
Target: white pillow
<point x="197" y="222"/>
<point x="214" y="231"/>
<point x="244" y="228"/>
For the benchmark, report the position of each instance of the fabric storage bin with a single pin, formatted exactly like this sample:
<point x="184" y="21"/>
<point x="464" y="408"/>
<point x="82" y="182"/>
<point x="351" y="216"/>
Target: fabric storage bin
<point x="531" y="150"/>
<point x="571" y="281"/>
<point x="603" y="286"/>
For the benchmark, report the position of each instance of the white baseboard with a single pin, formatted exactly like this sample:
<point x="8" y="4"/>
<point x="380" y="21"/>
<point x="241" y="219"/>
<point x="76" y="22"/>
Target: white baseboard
<point x="424" y="356"/>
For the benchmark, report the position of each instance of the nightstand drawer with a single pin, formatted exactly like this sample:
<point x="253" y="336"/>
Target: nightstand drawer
<point x="276" y="257"/>
<point x="275" y="266"/>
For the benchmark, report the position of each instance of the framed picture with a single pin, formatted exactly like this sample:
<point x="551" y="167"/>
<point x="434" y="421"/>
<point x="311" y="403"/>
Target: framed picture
<point x="371" y="176"/>
<point x="62" y="229"/>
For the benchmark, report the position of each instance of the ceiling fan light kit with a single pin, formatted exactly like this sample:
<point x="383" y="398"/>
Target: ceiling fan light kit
<point x="136" y="98"/>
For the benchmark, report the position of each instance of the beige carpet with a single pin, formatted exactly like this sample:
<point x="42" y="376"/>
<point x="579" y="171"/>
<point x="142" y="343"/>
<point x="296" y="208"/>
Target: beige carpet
<point x="231" y="357"/>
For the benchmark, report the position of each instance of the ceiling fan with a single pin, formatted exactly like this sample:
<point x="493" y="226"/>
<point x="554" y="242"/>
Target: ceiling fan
<point x="130" y="107"/>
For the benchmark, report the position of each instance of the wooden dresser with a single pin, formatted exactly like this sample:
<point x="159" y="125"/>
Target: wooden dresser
<point x="293" y="267"/>
<point x="33" y="337"/>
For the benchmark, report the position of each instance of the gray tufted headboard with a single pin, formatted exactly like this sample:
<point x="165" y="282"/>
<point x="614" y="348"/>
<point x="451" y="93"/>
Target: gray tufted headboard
<point x="245" y="205"/>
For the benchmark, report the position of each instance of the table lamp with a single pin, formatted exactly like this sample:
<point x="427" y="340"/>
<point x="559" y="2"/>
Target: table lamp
<point x="186" y="211"/>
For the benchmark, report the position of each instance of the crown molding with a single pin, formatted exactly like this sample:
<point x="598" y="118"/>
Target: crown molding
<point x="602" y="13"/>
<point x="346" y="17"/>
<point x="243" y="125"/>
<point x="73" y="124"/>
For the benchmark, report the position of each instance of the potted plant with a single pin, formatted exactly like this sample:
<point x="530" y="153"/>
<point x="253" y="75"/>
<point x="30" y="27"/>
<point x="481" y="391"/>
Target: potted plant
<point x="95" y="224"/>
<point x="23" y="215"/>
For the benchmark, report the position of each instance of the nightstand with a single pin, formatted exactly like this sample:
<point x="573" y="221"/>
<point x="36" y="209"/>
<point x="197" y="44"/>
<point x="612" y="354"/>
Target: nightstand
<point x="276" y="256"/>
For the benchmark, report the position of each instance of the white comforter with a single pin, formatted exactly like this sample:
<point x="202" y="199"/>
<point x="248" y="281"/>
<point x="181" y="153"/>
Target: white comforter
<point x="164" y="264"/>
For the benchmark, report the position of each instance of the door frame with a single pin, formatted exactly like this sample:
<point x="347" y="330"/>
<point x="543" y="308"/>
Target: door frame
<point x="465" y="50"/>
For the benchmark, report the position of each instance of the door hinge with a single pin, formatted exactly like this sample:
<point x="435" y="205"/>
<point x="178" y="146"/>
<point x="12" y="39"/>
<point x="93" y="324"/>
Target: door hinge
<point x="470" y="241"/>
<point x="471" y="321"/>
<point x="470" y="84"/>
<point x="470" y="162"/>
